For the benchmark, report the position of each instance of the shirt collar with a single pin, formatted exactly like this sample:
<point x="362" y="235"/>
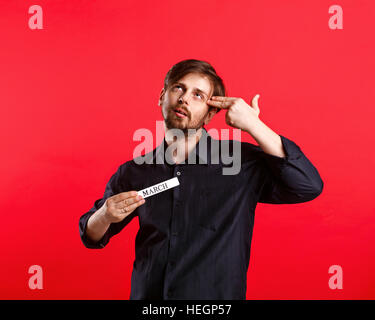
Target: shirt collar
<point x="200" y="152"/>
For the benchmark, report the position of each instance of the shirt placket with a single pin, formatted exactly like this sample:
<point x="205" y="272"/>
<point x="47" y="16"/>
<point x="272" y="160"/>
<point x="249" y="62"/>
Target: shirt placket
<point x="174" y="234"/>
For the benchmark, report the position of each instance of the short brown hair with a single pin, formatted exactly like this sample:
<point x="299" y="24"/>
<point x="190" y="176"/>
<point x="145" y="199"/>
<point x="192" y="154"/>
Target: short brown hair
<point x="184" y="67"/>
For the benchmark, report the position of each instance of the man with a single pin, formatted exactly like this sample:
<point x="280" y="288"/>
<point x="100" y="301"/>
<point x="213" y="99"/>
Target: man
<point x="194" y="240"/>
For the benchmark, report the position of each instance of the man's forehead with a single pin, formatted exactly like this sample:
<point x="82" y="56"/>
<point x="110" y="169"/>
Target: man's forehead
<point x="200" y="82"/>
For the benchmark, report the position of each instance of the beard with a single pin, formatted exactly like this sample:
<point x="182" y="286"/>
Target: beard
<point x="184" y="124"/>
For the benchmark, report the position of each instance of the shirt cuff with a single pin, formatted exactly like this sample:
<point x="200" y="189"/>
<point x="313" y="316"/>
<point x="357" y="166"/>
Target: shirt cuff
<point x="88" y="243"/>
<point x="292" y="152"/>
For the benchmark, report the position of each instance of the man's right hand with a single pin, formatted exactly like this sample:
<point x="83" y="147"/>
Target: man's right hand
<point x="119" y="206"/>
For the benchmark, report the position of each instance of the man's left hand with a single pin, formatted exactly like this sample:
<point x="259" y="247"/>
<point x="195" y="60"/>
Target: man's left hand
<point x="239" y="114"/>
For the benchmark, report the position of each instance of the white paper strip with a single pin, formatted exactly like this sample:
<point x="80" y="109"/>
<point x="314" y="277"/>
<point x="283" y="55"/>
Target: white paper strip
<point x="160" y="187"/>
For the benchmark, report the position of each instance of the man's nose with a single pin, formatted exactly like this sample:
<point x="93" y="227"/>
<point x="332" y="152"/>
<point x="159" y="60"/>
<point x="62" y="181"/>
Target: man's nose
<point x="183" y="98"/>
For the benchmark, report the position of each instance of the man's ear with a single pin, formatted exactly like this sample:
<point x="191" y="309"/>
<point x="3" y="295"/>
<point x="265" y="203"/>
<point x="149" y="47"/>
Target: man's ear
<point x="210" y="114"/>
<point x="161" y="97"/>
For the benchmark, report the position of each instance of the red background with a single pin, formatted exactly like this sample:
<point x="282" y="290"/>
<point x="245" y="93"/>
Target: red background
<point x="73" y="94"/>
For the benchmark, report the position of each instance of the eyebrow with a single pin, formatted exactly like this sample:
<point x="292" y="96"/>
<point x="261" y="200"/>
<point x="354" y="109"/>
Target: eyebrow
<point x="196" y="89"/>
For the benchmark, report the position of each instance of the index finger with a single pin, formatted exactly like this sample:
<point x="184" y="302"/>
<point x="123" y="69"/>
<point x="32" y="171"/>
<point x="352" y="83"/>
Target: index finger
<point x="124" y="195"/>
<point x="225" y="101"/>
<point x="220" y="104"/>
<point x="222" y="98"/>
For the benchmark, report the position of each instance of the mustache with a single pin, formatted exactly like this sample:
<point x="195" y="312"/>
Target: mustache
<point x="181" y="108"/>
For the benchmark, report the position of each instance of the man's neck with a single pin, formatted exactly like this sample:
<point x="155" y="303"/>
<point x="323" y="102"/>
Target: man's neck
<point x="182" y="145"/>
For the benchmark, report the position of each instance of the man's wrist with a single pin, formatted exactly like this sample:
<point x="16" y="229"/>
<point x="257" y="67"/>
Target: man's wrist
<point x="102" y="217"/>
<point x="253" y="126"/>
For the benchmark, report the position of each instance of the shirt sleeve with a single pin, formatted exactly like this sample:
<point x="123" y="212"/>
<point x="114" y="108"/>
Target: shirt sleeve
<point x="292" y="179"/>
<point x="113" y="187"/>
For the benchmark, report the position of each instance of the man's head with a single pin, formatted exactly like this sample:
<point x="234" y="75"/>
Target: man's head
<point x="188" y="86"/>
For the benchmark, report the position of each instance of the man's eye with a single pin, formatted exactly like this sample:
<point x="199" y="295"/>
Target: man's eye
<point x="199" y="95"/>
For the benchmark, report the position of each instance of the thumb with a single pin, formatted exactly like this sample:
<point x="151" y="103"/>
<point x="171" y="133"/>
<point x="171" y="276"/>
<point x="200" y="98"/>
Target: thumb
<point x="254" y="103"/>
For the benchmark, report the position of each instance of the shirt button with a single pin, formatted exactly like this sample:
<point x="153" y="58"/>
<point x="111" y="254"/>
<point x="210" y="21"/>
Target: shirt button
<point x="178" y="173"/>
<point x="172" y="263"/>
<point x="175" y="233"/>
<point x="169" y="293"/>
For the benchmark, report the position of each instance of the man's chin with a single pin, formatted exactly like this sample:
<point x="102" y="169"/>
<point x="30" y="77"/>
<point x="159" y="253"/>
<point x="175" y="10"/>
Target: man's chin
<point x="176" y="124"/>
<point x="181" y="125"/>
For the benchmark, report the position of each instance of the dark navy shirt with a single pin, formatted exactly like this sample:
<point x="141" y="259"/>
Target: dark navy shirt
<point x="194" y="240"/>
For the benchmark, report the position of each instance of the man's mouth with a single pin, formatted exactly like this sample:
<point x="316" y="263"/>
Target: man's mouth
<point x="180" y="113"/>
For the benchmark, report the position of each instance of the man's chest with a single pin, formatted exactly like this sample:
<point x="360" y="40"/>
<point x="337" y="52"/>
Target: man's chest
<point x="204" y="197"/>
